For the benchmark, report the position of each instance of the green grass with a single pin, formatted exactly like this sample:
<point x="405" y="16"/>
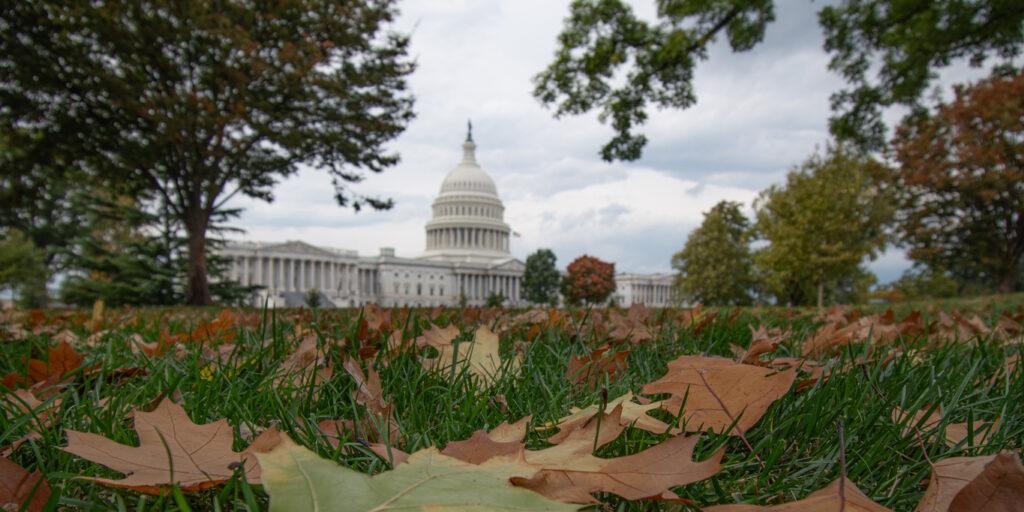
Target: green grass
<point x="796" y="445"/>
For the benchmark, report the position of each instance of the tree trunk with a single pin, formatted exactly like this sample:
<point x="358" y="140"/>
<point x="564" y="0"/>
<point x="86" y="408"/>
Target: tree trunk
<point x="1006" y="283"/>
<point x="197" y="291"/>
<point x="821" y="293"/>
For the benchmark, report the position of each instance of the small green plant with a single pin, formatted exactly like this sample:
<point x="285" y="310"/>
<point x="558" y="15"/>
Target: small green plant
<point x="313" y="299"/>
<point x="495" y="300"/>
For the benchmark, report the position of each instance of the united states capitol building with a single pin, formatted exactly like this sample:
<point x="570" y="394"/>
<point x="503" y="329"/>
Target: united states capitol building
<point x="466" y="257"/>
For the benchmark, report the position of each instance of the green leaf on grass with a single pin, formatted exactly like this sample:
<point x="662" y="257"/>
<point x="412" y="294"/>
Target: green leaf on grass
<point x="298" y="480"/>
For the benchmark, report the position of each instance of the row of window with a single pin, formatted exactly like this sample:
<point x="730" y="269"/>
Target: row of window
<point x="418" y="276"/>
<point x="419" y="289"/>
<point x="483" y="211"/>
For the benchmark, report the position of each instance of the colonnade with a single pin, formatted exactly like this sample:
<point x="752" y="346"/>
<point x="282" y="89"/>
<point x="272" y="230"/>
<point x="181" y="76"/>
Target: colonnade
<point x="651" y="294"/>
<point x="477" y="286"/>
<point x="469" y="238"/>
<point x="297" y="274"/>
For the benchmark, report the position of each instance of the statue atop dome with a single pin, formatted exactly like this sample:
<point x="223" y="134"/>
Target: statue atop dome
<point x="469" y="130"/>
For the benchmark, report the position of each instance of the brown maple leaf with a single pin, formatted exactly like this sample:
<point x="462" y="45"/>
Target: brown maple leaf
<point x="841" y="494"/>
<point x="18" y="486"/>
<point x="380" y="422"/>
<point x="308" y="364"/>
<point x="764" y="341"/>
<point x="570" y="472"/>
<point x="172" y="450"/>
<point x="719" y="392"/>
<point x="587" y="372"/>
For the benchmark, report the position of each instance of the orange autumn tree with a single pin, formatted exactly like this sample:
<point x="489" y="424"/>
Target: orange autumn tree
<point x="960" y="188"/>
<point x="588" y="279"/>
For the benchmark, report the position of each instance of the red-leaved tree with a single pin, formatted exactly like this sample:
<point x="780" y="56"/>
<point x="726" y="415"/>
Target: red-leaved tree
<point x="960" y="188"/>
<point x="588" y="279"/>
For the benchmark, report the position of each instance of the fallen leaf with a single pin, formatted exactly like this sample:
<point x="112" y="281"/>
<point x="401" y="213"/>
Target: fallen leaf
<point x="18" y="486"/>
<point x="22" y="401"/>
<point x="308" y="364"/>
<point x="719" y="391"/>
<point x="62" y="360"/>
<point x="837" y="496"/>
<point x="633" y="414"/>
<point x="998" y="488"/>
<point x="956" y="433"/>
<point x="587" y="372"/>
<point x="764" y="341"/>
<point x="480" y="357"/>
<point x="571" y="472"/>
<point x="200" y="455"/>
<point x="297" y="479"/>
<point x="380" y="423"/>
<point x="948" y="477"/>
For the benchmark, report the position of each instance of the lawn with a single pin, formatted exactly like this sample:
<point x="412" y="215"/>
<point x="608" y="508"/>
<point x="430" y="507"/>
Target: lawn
<point x="871" y="397"/>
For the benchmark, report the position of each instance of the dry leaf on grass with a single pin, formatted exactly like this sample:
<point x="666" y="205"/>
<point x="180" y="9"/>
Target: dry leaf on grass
<point x="588" y="372"/>
<point x="200" y="455"/>
<point x="955" y="432"/>
<point x="948" y="477"/>
<point x="998" y="488"/>
<point x="380" y="423"/>
<point x="309" y="364"/>
<point x="764" y="341"/>
<point x="841" y="494"/>
<point x="633" y="414"/>
<point x="22" y="401"/>
<point x="719" y="391"/>
<point x="17" y="486"/>
<point x="480" y="357"/>
<point x="569" y="471"/>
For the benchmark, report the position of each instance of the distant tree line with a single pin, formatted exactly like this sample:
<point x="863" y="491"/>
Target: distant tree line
<point x="952" y="195"/>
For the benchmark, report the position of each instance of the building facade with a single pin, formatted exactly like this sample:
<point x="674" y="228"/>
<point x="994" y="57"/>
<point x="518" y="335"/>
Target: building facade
<point x="467" y="259"/>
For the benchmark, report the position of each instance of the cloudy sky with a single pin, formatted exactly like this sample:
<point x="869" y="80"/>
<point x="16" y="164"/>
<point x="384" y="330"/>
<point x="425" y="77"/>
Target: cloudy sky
<point x="758" y="114"/>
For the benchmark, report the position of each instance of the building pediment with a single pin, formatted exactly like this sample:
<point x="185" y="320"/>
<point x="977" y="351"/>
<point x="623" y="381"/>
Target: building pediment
<point x="510" y="264"/>
<point x="297" y="247"/>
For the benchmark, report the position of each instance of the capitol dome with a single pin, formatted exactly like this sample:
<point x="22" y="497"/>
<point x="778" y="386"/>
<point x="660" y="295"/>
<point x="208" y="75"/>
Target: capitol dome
<point x="468" y="216"/>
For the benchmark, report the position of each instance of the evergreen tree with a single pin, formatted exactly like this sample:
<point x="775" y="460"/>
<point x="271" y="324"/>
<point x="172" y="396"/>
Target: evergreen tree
<point x="541" y="278"/>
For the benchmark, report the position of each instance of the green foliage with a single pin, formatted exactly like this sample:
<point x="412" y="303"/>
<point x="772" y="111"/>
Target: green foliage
<point x="609" y="59"/>
<point x="600" y="37"/>
<point x="495" y="300"/>
<point x="22" y="268"/>
<point x="960" y="188"/>
<point x="715" y="266"/>
<point x="821" y="225"/>
<point x="313" y="298"/>
<point x="541" y="278"/>
<point x="926" y="282"/>
<point x="128" y="256"/>
<point x="910" y="41"/>
<point x="588" y="279"/>
<point x="193" y="103"/>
